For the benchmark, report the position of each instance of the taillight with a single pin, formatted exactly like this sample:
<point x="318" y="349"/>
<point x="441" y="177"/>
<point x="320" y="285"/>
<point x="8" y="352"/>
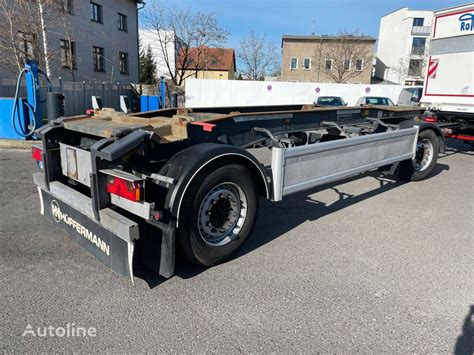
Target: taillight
<point x="37" y="154"/>
<point x="430" y="119"/>
<point x="131" y="190"/>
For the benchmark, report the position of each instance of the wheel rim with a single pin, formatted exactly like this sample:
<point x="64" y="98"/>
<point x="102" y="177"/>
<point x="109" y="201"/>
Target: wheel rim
<point x="424" y="155"/>
<point x="222" y="214"/>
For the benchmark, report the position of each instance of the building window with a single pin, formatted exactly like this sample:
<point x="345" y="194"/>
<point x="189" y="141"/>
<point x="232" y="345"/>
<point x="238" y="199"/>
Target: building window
<point x="418" y="21"/>
<point x="359" y="64"/>
<point x="122" y="22"/>
<point x="328" y="64"/>
<point x="123" y="57"/>
<point x="294" y="63"/>
<point x="96" y="12"/>
<point x="414" y="67"/>
<point x="347" y="64"/>
<point x="98" y="58"/>
<point x="69" y="6"/>
<point x="26" y="46"/>
<point x="68" y="54"/>
<point x="306" y="63"/>
<point x="418" y="46"/>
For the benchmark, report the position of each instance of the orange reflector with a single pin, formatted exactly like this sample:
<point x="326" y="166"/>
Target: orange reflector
<point x="131" y="190"/>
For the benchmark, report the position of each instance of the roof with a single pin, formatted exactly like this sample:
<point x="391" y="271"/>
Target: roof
<point x="455" y="7"/>
<point x="326" y="38"/>
<point x="209" y="58"/>
<point x="407" y="10"/>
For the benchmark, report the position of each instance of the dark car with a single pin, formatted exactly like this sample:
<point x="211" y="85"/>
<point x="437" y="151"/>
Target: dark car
<point x="375" y="100"/>
<point x="330" y="101"/>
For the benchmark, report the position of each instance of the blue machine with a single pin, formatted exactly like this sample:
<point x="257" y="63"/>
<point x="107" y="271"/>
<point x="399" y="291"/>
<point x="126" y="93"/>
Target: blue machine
<point x="19" y="117"/>
<point x="150" y="103"/>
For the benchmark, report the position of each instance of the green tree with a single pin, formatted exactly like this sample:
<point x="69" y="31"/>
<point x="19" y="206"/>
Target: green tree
<point x="147" y="67"/>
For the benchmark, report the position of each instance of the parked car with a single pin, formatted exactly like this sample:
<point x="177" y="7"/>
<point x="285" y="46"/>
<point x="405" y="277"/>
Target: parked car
<point x="410" y="96"/>
<point x="375" y="100"/>
<point x="330" y="101"/>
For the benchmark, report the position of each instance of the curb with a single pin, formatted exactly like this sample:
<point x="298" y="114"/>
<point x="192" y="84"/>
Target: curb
<point x="17" y="144"/>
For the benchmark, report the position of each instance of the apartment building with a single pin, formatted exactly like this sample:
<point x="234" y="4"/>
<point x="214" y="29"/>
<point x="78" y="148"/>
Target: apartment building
<point x="84" y="41"/>
<point x="402" y="46"/>
<point x="327" y="59"/>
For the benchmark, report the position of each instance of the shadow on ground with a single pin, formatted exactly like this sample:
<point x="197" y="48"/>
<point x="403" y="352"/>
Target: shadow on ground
<point x="465" y="341"/>
<point x="299" y="208"/>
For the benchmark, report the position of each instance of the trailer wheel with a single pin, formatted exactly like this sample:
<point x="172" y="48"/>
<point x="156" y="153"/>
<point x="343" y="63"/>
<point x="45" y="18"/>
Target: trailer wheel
<point x="427" y="149"/>
<point x="217" y="215"/>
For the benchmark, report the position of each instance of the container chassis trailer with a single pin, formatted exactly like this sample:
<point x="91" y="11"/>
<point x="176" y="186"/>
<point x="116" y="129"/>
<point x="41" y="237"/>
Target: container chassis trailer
<point x="132" y="188"/>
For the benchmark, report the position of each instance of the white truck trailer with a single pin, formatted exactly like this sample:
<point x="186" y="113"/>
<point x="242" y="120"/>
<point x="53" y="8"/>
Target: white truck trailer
<point x="449" y="82"/>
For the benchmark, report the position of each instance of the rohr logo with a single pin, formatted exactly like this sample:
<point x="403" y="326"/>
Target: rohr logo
<point x="467" y="21"/>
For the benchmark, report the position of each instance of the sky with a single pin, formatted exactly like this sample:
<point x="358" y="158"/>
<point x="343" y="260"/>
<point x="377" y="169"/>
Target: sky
<point x="278" y="17"/>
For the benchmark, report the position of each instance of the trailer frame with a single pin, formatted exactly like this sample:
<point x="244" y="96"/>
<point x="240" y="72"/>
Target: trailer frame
<point x="170" y="151"/>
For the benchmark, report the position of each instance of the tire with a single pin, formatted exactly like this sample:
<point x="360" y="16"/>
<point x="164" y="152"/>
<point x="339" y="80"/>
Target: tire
<point x="422" y="165"/>
<point x="213" y="224"/>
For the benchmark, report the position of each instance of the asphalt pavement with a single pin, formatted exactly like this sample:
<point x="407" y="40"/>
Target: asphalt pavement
<point x="370" y="264"/>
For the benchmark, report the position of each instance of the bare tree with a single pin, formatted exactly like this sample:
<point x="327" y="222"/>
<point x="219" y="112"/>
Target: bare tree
<point x="69" y="61"/>
<point x="345" y="52"/>
<point x="24" y="26"/>
<point x="111" y="56"/>
<point x="414" y="67"/>
<point x="257" y="56"/>
<point x="182" y="37"/>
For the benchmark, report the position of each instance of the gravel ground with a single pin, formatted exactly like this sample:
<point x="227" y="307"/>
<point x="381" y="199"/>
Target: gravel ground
<point x="369" y="264"/>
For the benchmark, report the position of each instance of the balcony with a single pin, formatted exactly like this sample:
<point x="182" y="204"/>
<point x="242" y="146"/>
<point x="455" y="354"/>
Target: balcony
<point x="421" y="30"/>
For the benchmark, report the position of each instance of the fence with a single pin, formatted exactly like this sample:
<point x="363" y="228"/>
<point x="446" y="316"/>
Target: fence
<point x="78" y="95"/>
<point x="214" y="93"/>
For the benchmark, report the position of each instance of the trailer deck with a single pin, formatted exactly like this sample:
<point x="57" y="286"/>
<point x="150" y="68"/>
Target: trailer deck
<point x="171" y="124"/>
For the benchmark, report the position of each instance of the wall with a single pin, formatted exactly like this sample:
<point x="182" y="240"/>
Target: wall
<point x="87" y="34"/>
<point x="215" y="93"/>
<point x="107" y="36"/>
<point x="311" y="49"/>
<point x="212" y="74"/>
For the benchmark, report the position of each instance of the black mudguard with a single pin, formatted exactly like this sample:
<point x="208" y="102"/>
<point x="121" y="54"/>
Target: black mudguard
<point x="442" y="140"/>
<point x="186" y="164"/>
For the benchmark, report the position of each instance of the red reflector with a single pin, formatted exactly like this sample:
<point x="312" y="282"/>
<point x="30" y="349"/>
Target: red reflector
<point x="131" y="190"/>
<point x="431" y="119"/>
<point x="460" y="136"/>
<point x="37" y="153"/>
<point x="206" y="127"/>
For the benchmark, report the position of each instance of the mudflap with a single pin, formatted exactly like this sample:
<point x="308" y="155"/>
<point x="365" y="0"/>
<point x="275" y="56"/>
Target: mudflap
<point x="107" y="247"/>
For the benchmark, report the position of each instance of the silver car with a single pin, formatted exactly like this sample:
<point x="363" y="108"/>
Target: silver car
<point x="375" y="100"/>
